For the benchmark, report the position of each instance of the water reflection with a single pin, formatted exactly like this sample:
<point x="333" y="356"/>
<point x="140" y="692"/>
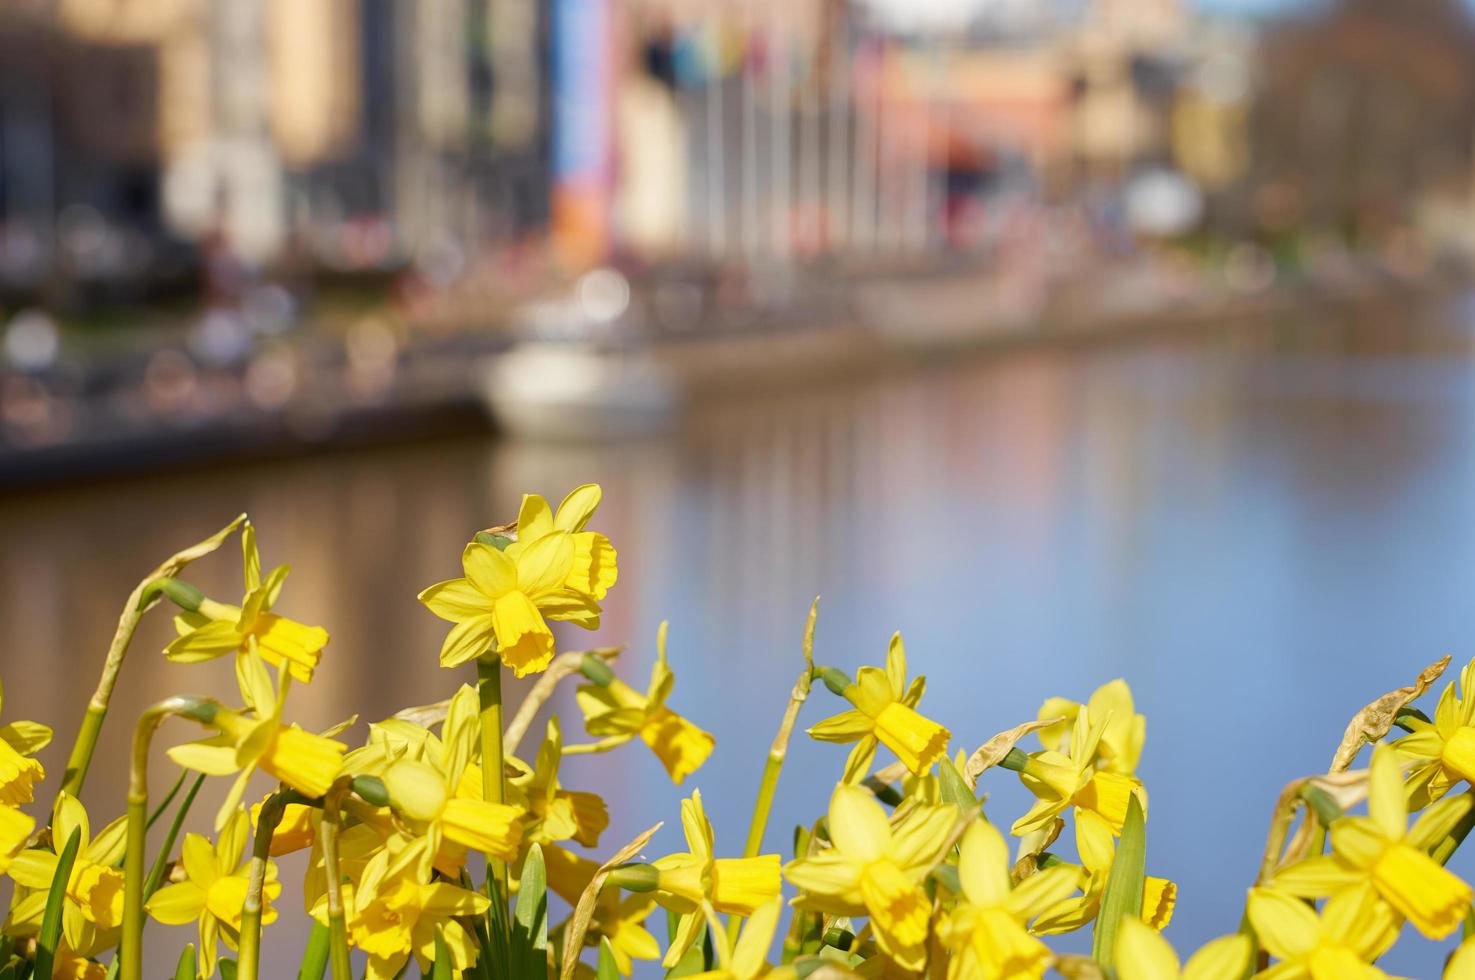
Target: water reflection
<point x="1261" y="524"/>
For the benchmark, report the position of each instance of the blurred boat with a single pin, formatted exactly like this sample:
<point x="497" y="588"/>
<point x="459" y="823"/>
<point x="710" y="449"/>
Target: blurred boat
<point x="578" y="392"/>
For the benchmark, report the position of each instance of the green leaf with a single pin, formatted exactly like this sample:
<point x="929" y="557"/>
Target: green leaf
<point x="227" y="970"/>
<point x="443" y="968"/>
<point x="607" y="968"/>
<point x="1123" y="894"/>
<point x="315" y="956"/>
<point x="953" y="788"/>
<point x="168" y="799"/>
<point x="56" y="899"/>
<point x="186" y="968"/>
<point x="530" y="919"/>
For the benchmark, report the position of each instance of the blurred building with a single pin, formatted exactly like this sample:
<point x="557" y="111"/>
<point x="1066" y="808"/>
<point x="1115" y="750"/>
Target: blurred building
<point x="1362" y="116"/>
<point x="353" y="129"/>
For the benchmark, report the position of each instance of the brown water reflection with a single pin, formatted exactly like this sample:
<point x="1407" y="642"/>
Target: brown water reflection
<point x="1261" y="524"/>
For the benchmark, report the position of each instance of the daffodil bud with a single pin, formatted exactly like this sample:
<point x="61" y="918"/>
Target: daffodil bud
<point x="834" y="678"/>
<point x="371" y="790"/>
<point x="596" y="670"/>
<point x="635" y="877"/>
<point x="415" y="789"/>
<point x="1015" y="760"/>
<point x="182" y="594"/>
<point x="838" y="937"/>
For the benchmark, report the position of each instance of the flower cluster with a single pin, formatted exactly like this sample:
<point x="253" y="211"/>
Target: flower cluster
<point x="431" y="837"/>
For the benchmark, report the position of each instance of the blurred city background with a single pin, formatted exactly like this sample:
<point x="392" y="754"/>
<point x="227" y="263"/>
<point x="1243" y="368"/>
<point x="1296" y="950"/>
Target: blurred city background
<point x="1074" y="338"/>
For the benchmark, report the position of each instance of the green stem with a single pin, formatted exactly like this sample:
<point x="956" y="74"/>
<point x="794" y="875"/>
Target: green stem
<point x="337" y="922"/>
<point x="130" y="947"/>
<point x="247" y="963"/>
<point x="489" y="692"/>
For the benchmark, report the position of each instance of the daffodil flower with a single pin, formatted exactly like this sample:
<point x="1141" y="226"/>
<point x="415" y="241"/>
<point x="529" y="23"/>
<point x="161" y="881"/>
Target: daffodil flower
<point x="1120" y="746"/>
<point x="396" y="914"/>
<point x="1061" y="782"/>
<point x="213" y="892"/>
<point x="550" y="813"/>
<point x="19" y="773"/>
<point x="1382" y="850"/>
<point x="986" y="932"/>
<point x="1462" y="964"/>
<point x="217" y="629"/>
<point x="300" y="759"/>
<point x="734" y="885"/>
<point x="594" y="568"/>
<point x="876" y="868"/>
<point x="93" y="911"/>
<point x="746" y="959"/>
<point x="568" y="873"/>
<point x="620" y="919"/>
<point x="15" y="832"/>
<point x="1442" y="751"/>
<point x="885" y="711"/>
<point x="1143" y="954"/>
<point x="426" y="790"/>
<point x="1096" y="845"/>
<point x="502" y="603"/>
<point x="1355" y="928"/>
<point x="615" y="713"/>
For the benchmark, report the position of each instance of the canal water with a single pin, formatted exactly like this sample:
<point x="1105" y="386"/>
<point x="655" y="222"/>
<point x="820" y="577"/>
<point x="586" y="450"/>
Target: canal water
<point x="1261" y="524"/>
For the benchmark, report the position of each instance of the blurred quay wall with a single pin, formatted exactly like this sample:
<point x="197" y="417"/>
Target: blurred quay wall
<point x="138" y="139"/>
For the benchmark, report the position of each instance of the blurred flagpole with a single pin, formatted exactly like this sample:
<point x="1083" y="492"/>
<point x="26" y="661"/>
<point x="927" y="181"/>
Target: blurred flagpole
<point x="716" y="150"/>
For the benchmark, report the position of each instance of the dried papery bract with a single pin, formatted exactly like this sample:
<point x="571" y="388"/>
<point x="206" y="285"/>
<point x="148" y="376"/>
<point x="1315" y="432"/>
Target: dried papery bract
<point x="578" y="924"/>
<point x="1376" y="720"/>
<point x="992" y="752"/>
<point x="1346" y="789"/>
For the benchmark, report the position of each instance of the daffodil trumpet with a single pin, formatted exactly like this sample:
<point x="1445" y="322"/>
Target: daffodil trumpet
<point x="202" y="710"/>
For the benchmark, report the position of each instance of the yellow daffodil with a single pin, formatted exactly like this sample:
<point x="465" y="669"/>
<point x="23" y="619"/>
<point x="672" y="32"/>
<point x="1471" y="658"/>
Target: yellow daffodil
<point x="615" y="713"/>
<point x="94" y="895"/>
<point x="427" y="791"/>
<point x="502" y="603"/>
<point x="747" y="959"/>
<point x="1097" y="847"/>
<point x="396" y="914"/>
<point x="1461" y="965"/>
<point x="19" y="773"/>
<point x="1142" y="954"/>
<point x="15" y="832"/>
<point x="568" y="873"/>
<point x="620" y="919"/>
<point x="300" y="759"/>
<point x="885" y="711"/>
<point x="986" y="932"/>
<point x="734" y="885"/>
<point x="1061" y="782"/>
<point x="217" y="629"/>
<point x="594" y="567"/>
<point x="876" y="868"/>
<point x="1355" y="928"/>
<point x="1120" y="746"/>
<point x="213" y="892"/>
<point x="1383" y="850"/>
<point x="1442" y="751"/>
<point x="550" y="813"/>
